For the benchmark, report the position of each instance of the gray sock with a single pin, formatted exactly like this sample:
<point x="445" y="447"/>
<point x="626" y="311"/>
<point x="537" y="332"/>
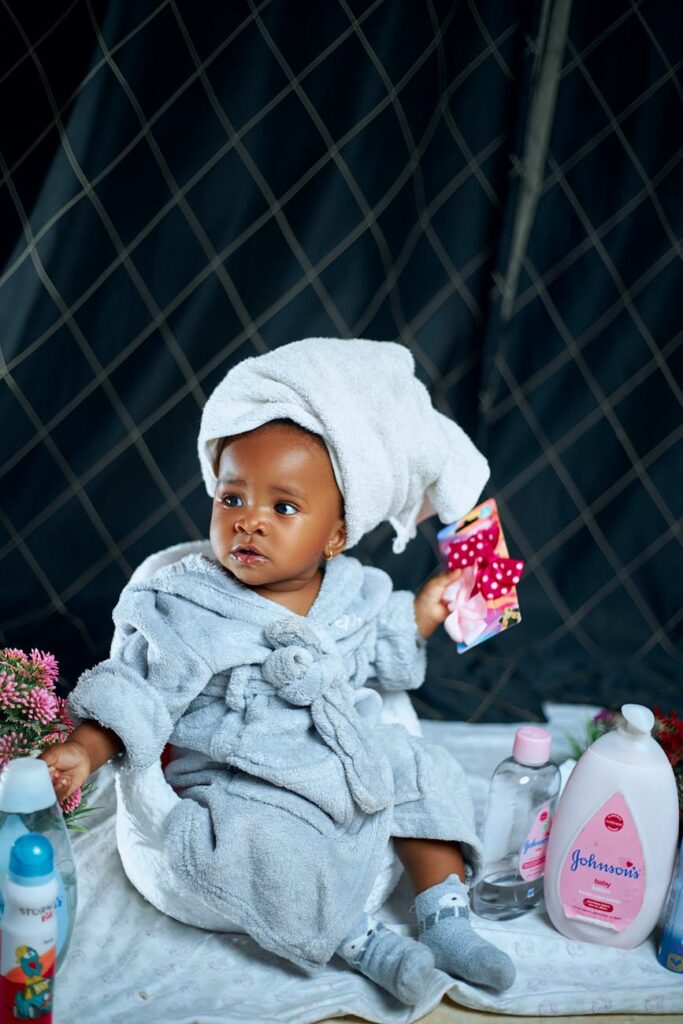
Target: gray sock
<point x="443" y="914"/>
<point x="402" y="966"/>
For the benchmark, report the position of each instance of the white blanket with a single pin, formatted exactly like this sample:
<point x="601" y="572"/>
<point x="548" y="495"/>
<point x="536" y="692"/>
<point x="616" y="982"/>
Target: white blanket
<point x="129" y="964"/>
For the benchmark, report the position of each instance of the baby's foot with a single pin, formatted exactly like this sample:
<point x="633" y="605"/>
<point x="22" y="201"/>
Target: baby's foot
<point x="399" y="965"/>
<point x="443" y="914"/>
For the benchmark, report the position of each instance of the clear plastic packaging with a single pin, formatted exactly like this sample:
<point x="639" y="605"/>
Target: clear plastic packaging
<point x="28" y="804"/>
<point x="519" y="814"/>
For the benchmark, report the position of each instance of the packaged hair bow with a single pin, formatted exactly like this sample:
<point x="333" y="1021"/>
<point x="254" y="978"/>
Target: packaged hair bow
<point x="483" y="600"/>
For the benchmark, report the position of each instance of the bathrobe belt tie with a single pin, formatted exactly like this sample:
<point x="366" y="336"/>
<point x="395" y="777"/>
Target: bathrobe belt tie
<point x="307" y="671"/>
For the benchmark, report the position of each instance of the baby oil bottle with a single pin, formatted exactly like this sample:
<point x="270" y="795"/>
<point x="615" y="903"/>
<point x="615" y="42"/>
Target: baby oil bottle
<point x="519" y="814"/>
<point x="613" y="843"/>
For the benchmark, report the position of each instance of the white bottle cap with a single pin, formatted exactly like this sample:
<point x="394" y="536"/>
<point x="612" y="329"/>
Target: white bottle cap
<point x="639" y="720"/>
<point x="25" y="786"/>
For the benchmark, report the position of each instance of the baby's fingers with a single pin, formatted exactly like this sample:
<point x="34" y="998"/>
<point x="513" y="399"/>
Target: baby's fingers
<point x="59" y="781"/>
<point x="50" y="756"/>
<point x="451" y="575"/>
<point x="63" y="785"/>
<point x="445" y="579"/>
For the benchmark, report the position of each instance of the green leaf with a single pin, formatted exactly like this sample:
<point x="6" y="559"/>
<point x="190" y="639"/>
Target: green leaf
<point x="79" y="812"/>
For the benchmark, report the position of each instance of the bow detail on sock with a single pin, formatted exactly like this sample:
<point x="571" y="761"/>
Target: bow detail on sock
<point x="306" y="671"/>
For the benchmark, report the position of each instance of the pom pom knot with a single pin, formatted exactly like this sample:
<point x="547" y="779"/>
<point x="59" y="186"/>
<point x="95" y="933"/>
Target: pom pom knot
<point x="299" y="668"/>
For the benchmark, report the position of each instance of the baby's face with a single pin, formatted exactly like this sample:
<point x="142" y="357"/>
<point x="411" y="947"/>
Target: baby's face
<point x="276" y="512"/>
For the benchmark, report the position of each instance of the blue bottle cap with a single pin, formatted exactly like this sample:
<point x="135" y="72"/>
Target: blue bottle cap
<point x="31" y="859"/>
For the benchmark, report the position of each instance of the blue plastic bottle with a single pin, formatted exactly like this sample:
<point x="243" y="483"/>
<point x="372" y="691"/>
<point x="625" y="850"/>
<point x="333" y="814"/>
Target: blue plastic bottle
<point x="28" y="804"/>
<point x="28" y="933"/>
<point x="670" y="952"/>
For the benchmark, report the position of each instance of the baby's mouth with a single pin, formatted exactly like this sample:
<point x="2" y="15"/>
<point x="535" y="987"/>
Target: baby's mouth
<point x="245" y="554"/>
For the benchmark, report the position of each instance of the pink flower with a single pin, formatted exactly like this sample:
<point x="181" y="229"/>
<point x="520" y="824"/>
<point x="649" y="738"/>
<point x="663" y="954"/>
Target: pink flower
<point x="13" y="652"/>
<point x="8" y="689"/>
<point x="63" y="716"/>
<point x="12" y="744"/>
<point x="32" y="715"/>
<point x="609" y="719"/>
<point x="40" y="705"/>
<point x="47" y="664"/>
<point x="71" y="802"/>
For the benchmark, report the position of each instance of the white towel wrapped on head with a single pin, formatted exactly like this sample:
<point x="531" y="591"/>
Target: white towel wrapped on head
<point x="394" y="456"/>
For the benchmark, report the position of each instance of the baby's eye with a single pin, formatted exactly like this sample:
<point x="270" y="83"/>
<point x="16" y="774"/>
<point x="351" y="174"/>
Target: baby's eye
<point x="285" y="508"/>
<point x="232" y="500"/>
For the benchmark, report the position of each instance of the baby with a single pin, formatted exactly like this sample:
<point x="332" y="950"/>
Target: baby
<point x="260" y="665"/>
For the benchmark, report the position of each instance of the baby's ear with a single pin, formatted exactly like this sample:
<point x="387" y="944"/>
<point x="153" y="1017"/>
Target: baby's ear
<point x="335" y="544"/>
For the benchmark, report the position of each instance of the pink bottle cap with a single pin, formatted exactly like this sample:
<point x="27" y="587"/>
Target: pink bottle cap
<point x="532" y="745"/>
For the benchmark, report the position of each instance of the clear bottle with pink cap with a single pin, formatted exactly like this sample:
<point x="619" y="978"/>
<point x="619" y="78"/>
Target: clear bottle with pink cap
<point x="519" y="813"/>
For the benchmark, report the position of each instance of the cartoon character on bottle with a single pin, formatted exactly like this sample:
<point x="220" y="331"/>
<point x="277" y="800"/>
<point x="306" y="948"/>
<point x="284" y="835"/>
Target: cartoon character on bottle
<point x="35" y="999"/>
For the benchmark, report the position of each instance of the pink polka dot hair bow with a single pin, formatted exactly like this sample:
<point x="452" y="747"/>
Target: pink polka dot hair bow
<point x="495" y="576"/>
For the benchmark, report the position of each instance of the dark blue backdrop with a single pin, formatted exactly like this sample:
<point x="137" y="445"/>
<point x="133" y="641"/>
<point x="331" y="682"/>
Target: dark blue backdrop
<point x="495" y="185"/>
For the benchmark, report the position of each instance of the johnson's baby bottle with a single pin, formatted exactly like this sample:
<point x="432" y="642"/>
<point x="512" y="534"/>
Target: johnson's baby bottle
<point x="613" y="843"/>
<point x="519" y="814"/>
<point x="28" y="804"/>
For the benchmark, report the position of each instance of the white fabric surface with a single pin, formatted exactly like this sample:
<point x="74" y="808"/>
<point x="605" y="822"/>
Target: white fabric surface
<point x="129" y="963"/>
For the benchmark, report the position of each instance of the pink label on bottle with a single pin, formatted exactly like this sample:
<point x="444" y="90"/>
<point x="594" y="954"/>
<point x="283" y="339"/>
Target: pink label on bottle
<point x="603" y="875"/>
<point x="532" y="854"/>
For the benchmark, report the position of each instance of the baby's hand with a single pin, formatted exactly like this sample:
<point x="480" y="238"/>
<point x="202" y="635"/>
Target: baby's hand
<point x="69" y="765"/>
<point x="430" y="611"/>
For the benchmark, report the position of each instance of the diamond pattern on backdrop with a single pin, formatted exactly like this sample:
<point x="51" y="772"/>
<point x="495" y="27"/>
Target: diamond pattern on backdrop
<point x="497" y="186"/>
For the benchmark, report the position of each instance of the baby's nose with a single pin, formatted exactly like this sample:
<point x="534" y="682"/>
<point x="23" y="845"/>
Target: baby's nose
<point x="250" y="522"/>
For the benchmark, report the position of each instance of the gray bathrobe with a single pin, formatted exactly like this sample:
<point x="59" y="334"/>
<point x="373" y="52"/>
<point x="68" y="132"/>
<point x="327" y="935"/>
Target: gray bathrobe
<point x="291" y="787"/>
